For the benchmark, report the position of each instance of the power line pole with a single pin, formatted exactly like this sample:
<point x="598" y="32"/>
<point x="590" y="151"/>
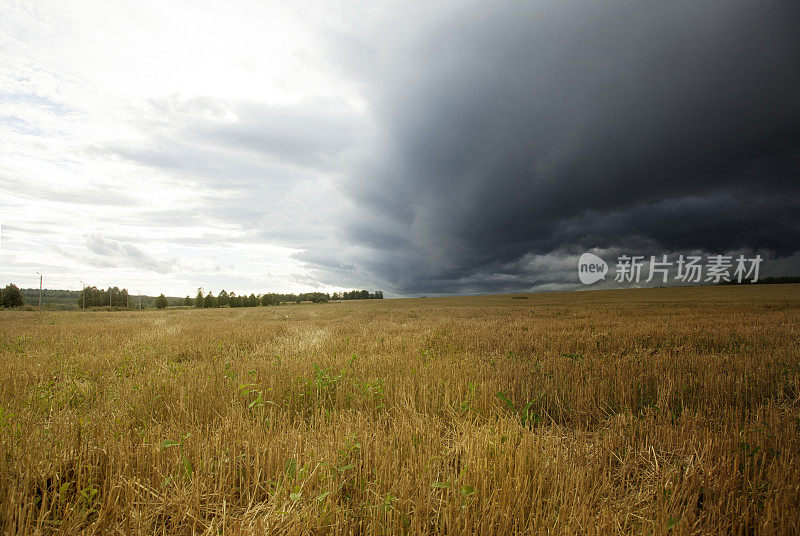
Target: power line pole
<point x="83" y="295"/>
<point x="40" y="289"/>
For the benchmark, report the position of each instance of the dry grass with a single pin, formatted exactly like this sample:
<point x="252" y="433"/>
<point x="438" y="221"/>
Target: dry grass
<point x="636" y="412"/>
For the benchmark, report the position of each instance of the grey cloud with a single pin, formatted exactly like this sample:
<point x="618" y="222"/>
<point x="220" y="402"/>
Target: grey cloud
<point x="239" y="143"/>
<point x="526" y="129"/>
<point x="260" y="172"/>
<point x="111" y="252"/>
<point x="312" y="135"/>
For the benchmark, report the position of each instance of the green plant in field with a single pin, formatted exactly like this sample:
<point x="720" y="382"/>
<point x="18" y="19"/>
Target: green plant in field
<point x="88" y="497"/>
<point x="168" y="443"/>
<point x="465" y="492"/>
<point x="468" y="404"/>
<point x="467" y="495"/>
<point x="249" y="391"/>
<point x="291" y="469"/>
<point x="6" y="418"/>
<point x="63" y="491"/>
<point x="527" y="415"/>
<point x="387" y="502"/>
<point x="228" y="373"/>
<point x="574" y="356"/>
<point x="326" y="381"/>
<point x="375" y="389"/>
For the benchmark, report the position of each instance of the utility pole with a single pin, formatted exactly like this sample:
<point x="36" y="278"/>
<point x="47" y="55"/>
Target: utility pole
<point x="83" y="295"/>
<point x="40" y="289"/>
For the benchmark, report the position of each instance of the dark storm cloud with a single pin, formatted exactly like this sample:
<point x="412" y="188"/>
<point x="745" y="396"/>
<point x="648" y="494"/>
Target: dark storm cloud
<point x="507" y="132"/>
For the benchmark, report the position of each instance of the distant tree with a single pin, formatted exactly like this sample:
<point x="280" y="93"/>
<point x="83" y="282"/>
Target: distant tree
<point x="187" y="301"/>
<point x="253" y="301"/>
<point x="210" y="301"/>
<point x="161" y="302"/>
<point x="378" y="294"/>
<point x="11" y="296"/>
<point x="119" y="298"/>
<point x="199" y="301"/>
<point x="88" y="296"/>
<point x="315" y="297"/>
<point x="222" y="299"/>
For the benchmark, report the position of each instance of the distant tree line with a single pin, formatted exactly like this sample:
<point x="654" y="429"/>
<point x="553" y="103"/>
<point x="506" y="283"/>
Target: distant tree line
<point x="357" y="295"/>
<point x="12" y="296"/>
<point x="52" y="299"/>
<point x="231" y="299"/>
<point x="100" y="297"/>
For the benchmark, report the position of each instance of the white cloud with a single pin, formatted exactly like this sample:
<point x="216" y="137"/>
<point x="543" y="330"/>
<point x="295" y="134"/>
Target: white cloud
<point x="169" y="146"/>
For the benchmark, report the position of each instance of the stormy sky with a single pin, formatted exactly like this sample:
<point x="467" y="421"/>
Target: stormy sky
<point x="414" y="147"/>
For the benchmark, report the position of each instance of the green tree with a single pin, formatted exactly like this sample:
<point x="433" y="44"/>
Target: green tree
<point x="161" y="302"/>
<point x="11" y="296"/>
<point x="199" y="301"/>
<point x="210" y="301"/>
<point x="187" y="301"/>
<point x="222" y="299"/>
<point x="315" y="297"/>
<point x="253" y="301"/>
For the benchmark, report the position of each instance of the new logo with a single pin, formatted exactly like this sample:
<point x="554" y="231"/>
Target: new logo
<point x="591" y="268"/>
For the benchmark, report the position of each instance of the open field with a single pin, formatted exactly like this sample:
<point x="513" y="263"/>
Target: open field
<point x="637" y="412"/>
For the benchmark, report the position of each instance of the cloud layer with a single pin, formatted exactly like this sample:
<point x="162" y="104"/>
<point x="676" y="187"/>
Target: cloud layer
<point x="455" y="148"/>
